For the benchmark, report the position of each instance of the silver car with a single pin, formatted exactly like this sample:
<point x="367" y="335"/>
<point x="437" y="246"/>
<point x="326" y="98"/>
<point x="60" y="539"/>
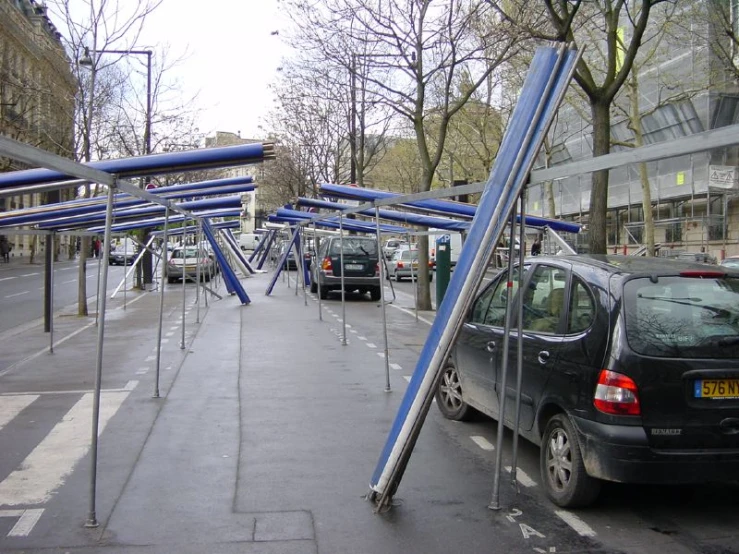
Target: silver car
<point x="399" y="267"/>
<point x="186" y="261"/>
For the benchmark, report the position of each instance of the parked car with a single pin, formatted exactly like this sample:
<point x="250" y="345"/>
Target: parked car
<point x="361" y="266"/>
<point x="630" y="370"/>
<point x="390" y="247"/>
<point x="700" y="257"/>
<point x="290" y="263"/>
<point x="731" y="262"/>
<point x="399" y="267"/>
<point x="122" y="254"/>
<point x="185" y="261"/>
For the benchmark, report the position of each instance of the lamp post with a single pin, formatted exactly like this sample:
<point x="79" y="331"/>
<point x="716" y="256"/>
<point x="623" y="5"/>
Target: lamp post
<point x="87" y="61"/>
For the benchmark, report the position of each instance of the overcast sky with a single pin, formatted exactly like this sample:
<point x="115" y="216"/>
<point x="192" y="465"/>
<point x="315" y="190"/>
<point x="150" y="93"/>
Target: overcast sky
<point x="232" y="57"/>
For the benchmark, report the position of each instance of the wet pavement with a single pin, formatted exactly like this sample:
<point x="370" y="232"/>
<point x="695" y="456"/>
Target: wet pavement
<point x="263" y="439"/>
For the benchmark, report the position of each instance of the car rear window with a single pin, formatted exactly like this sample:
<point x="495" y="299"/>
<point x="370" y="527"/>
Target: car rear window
<point x="354" y="246"/>
<point x="685" y="317"/>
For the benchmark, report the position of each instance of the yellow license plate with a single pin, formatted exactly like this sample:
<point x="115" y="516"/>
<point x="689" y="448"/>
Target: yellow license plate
<point x="717" y="388"/>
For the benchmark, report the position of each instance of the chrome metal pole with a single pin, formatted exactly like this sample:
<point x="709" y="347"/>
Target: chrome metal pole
<point x="317" y="272"/>
<point x="341" y="263"/>
<point x="414" y="285"/>
<point x="198" y="274"/>
<point x="97" y="295"/>
<point x="519" y="342"/>
<point x="495" y="500"/>
<point x="161" y="301"/>
<point x="184" y="279"/>
<point x="125" y="266"/>
<point x="382" y="300"/>
<point x="50" y="244"/>
<point x="303" y="268"/>
<point x="102" y="287"/>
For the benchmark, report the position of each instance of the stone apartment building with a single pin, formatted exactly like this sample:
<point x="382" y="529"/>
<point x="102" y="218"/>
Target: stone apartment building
<point x="37" y="95"/>
<point x="251" y="214"/>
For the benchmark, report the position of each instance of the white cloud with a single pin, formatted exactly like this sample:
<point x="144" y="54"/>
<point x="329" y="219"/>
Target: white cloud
<point x="232" y="57"/>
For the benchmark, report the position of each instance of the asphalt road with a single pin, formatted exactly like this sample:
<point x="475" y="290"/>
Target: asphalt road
<point x="449" y="478"/>
<point x="22" y="288"/>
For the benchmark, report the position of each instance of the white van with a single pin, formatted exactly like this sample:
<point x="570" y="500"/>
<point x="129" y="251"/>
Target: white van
<point x="249" y="241"/>
<point x="455" y="243"/>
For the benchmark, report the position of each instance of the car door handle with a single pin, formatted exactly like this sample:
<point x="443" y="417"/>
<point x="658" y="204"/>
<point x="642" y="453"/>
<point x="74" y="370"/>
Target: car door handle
<point x="543" y="357"/>
<point x="490" y="346"/>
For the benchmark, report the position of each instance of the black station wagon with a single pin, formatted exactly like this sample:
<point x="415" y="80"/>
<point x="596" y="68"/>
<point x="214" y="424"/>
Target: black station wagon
<point x="630" y="370"/>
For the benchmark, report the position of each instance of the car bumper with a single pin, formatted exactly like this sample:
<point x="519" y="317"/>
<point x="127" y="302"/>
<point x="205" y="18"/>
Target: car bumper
<point x="331" y="281"/>
<point x="622" y="453"/>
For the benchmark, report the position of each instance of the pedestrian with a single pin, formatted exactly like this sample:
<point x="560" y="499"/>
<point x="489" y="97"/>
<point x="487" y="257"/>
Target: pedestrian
<point x="96" y="248"/>
<point x="5" y="250"/>
<point x="536" y="246"/>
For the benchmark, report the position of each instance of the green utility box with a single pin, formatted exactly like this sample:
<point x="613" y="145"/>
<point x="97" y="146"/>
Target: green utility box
<point x="443" y="266"/>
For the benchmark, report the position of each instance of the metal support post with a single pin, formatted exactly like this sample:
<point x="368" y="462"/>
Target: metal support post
<point x="382" y="299"/>
<point x="49" y="304"/>
<point x="125" y="267"/>
<point x="97" y="295"/>
<point x="415" y="285"/>
<point x="198" y="274"/>
<point x="161" y="302"/>
<point x="519" y="342"/>
<point x="184" y="279"/>
<point x="341" y="263"/>
<point x="303" y="269"/>
<point x="102" y="287"/>
<point x="495" y="500"/>
<point x="317" y="272"/>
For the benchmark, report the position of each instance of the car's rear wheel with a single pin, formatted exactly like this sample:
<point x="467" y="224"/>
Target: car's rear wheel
<point x="449" y="396"/>
<point x="323" y="293"/>
<point x="398" y="279"/>
<point x="375" y="294"/>
<point x="562" y="470"/>
<point x="313" y="286"/>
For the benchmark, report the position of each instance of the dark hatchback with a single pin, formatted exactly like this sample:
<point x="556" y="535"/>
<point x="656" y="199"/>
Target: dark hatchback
<point x="361" y="267"/>
<point x="630" y="370"/>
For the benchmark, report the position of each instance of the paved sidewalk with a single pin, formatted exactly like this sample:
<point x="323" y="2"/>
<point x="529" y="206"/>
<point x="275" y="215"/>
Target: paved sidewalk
<point x="264" y="439"/>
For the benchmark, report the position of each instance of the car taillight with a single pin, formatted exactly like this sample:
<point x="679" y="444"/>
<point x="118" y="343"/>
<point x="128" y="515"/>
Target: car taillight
<point x="616" y="394"/>
<point x="400" y="265"/>
<point x="377" y="268"/>
<point x="326" y="264"/>
<point x="702" y="274"/>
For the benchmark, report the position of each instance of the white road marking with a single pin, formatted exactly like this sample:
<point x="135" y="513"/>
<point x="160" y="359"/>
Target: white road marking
<point x="68" y="391"/>
<point x="353" y="331"/>
<point x="482" y="442"/>
<point x="150" y="358"/>
<point x="348" y="326"/>
<point x="18" y="294"/>
<point x="412" y="313"/>
<point x="91" y="276"/>
<point x="165" y="341"/>
<point x="522" y="477"/>
<point x="67" y="282"/>
<point x="396" y="366"/>
<point x="130" y="385"/>
<point x="362" y="338"/>
<point x="407" y="378"/>
<point x="30" y="274"/>
<point x="65" y="268"/>
<point x="26" y="522"/>
<point x="381" y="355"/>
<point x="371" y="345"/>
<point x="11" y="406"/>
<point x="8" y="278"/>
<point x="580" y="527"/>
<point x="49" y="464"/>
<point x="174" y="328"/>
<point x="169" y="334"/>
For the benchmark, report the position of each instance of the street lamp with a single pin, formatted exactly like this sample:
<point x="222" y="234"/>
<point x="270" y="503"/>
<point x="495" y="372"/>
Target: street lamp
<point x="87" y="61"/>
<point x="146" y="276"/>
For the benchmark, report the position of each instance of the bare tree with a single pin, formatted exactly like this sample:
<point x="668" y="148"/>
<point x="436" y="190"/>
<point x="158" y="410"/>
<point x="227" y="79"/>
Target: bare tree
<point x="619" y="28"/>
<point x="421" y="60"/>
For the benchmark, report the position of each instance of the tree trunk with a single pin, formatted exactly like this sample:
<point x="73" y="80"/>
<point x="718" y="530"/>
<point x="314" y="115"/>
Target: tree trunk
<point x="599" y="192"/>
<point x="82" y="277"/>
<point x="636" y="126"/>
<point x="424" y="290"/>
<point x="550" y="209"/>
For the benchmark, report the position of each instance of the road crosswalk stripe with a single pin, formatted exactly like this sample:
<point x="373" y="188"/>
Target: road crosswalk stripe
<point x="12" y="405"/>
<point x="45" y="469"/>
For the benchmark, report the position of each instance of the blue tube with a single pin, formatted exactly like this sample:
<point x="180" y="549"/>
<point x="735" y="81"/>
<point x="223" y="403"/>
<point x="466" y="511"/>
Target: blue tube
<point x="154" y="164"/>
<point x="228" y="274"/>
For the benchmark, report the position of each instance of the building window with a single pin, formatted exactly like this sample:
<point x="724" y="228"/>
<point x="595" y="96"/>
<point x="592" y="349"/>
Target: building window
<point x="674" y="232"/>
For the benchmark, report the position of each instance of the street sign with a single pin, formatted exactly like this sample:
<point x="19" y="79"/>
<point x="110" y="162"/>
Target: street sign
<point x="723" y="176"/>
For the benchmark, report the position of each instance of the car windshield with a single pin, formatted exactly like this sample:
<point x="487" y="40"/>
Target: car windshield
<point x="730" y="263"/>
<point x="185" y="253"/>
<point x="685" y="317"/>
<point x="354" y="246"/>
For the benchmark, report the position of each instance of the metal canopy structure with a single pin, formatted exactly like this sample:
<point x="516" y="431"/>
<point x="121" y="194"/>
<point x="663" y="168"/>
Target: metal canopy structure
<point x="546" y="83"/>
<point x="57" y="174"/>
